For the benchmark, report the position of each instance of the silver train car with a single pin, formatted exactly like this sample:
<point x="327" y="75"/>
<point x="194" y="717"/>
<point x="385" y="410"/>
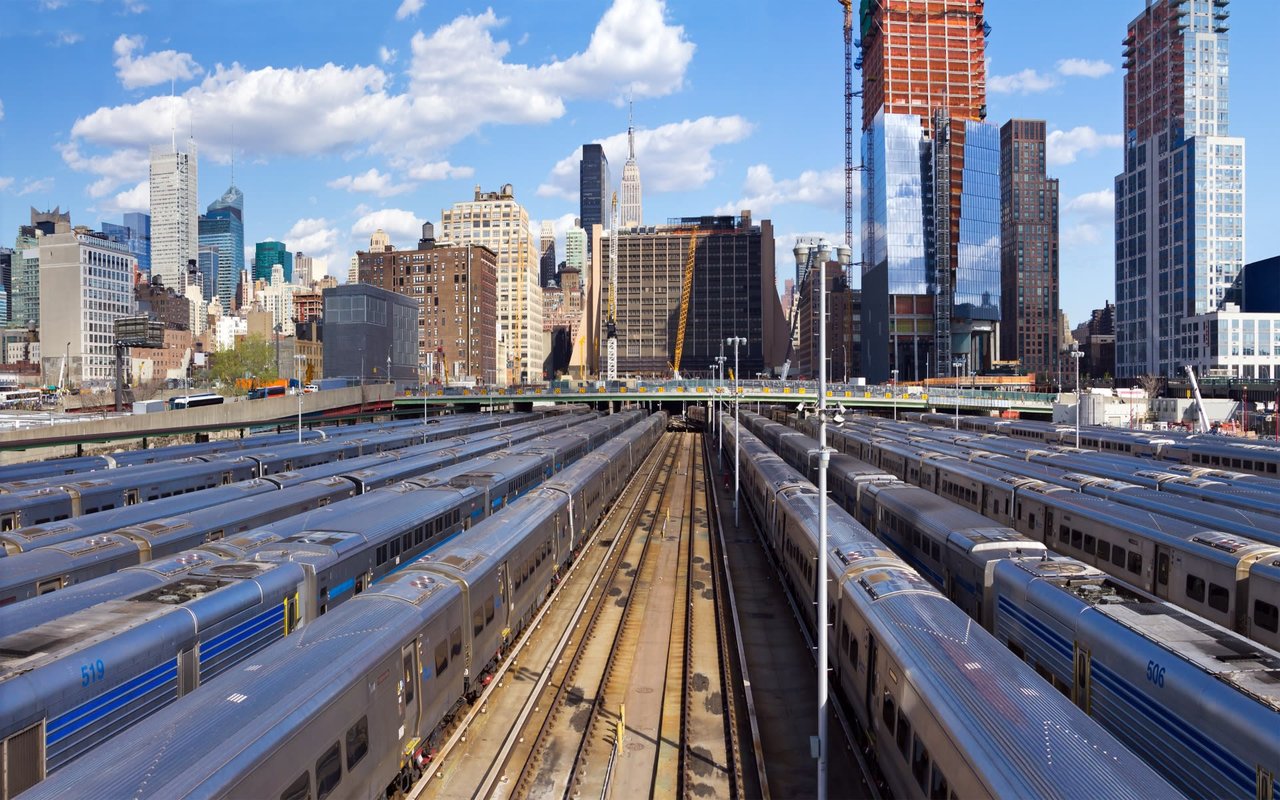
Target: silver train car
<point x="917" y="673"/>
<point x="329" y="556"/>
<point x="329" y="719"/>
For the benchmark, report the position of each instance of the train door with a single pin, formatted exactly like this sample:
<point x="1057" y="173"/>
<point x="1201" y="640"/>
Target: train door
<point x="1266" y="783"/>
<point x="409" y="686"/>
<point x="188" y="671"/>
<point x="868" y="702"/>
<point x="1162" y="572"/>
<point x="1083" y="686"/>
<point x="22" y="761"/>
<point x="130" y="497"/>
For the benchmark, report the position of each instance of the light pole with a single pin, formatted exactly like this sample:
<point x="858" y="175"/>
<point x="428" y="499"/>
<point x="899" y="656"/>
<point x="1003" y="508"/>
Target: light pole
<point x="955" y="373"/>
<point x="1076" y="355"/>
<point x="720" y="359"/>
<point x="734" y="341"/>
<point x="301" y="361"/>
<point x="894" y="373"/>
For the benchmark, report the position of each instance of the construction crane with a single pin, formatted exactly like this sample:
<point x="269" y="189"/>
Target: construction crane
<point x="1202" y="419"/>
<point x="611" y="321"/>
<point x="686" y="298"/>
<point x="848" y="120"/>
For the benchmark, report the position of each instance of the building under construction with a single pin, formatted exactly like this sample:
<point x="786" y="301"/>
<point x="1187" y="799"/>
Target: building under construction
<point x="732" y="293"/>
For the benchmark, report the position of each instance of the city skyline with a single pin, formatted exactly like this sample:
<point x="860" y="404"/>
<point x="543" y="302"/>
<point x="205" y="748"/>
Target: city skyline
<point x="322" y="185"/>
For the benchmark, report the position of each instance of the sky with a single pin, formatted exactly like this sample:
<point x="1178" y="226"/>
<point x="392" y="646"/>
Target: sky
<point x="345" y="117"/>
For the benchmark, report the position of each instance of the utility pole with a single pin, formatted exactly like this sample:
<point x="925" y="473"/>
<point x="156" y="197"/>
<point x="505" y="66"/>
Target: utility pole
<point x="734" y="341"/>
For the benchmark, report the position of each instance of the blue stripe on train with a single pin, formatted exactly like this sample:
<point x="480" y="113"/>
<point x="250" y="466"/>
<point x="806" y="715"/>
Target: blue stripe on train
<point x="68" y="723"/>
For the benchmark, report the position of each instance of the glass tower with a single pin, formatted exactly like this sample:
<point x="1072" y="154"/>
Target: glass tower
<point x="594" y="187"/>
<point x="267" y="255"/>
<point x="223" y="227"/>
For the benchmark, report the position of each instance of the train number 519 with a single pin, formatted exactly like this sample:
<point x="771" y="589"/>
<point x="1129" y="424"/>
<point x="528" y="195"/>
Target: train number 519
<point x="1155" y="673"/>
<point x="95" y="671"/>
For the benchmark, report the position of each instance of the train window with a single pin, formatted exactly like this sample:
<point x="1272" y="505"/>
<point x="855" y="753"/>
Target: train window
<point x="889" y="712"/>
<point x="299" y="789"/>
<point x="1063" y="533"/>
<point x="488" y="610"/>
<point x="1117" y="555"/>
<point x="1219" y="598"/>
<point x="1135" y="562"/>
<point x="920" y="762"/>
<point x="328" y="772"/>
<point x="357" y="742"/>
<point x="1162" y="569"/>
<point x="455" y="642"/>
<point x="1090" y="543"/>
<point x="382" y="555"/>
<point x="394" y="548"/>
<point x="904" y="736"/>
<point x="442" y="657"/>
<point x="1104" y="550"/>
<point x="477" y="622"/>
<point x="410" y="679"/>
<point x="1266" y="615"/>
<point x="406" y="542"/>
<point x="1195" y="588"/>
<point x="1077" y="539"/>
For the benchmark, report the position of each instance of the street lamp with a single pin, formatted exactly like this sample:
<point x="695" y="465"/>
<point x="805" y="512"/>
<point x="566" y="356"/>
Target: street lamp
<point x="422" y="367"/>
<point x="894" y="373"/>
<point x="301" y="361"/>
<point x="734" y="341"/>
<point x="1076" y="355"/>
<point x="956" y="365"/>
<point x="720" y="359"/>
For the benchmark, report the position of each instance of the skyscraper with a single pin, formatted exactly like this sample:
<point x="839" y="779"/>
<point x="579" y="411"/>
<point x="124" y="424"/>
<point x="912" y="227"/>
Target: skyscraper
<point x="222" y="227"/>
<point x="302" y="265"/>
<point x="175" y="232"/>
<point x="134" y="233"/>
<point x="629" y="195"/>
<point x="497" y="221"/>
<point x="268" y="254"/>
<point x="547" y="257"/>
<point x="930" y="190"/>
<point x="575" y="248"/>
<point x="1028" y="249"/>
<point x="1180" y="199"/>
<point x="594" y="188"/>
<point x="24" y="299"/>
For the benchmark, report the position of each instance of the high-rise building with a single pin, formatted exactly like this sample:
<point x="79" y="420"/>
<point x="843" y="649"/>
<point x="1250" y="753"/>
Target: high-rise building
<point x="733" y="295"/>
<point x="456" y="291"/>
<point x="89" y="266"/>
<point x="594" y="189"/>
<point x="367" y="330"/>
<point x="24" y="299"/>
<point x="175" y="232"/>
<point x="302" y="265"/>
<point x="575" y="248"/>
<point x="268" y="254"/>
<point x="632" y="214"/>
<point x="134" y="233"/>
<point x="353" y="270"/>
<point x="222" y="226"/>
<point x="547" y="257"/>
<point x="6" y="281"/>
<point x="930" y="190"/>
<point x="1179" y="210"/>
<point x="497" y="221"/>
<point x="1028" y="249"/>
<point x="208" y="265"/>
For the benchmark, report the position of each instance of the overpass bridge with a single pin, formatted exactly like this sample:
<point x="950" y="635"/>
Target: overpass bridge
<point x="674" y="393"/>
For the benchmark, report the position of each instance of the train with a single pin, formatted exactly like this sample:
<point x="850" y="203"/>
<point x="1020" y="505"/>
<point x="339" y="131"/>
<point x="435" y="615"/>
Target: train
<point x="142" y="652"/>
<point x="314" y="716"/>
<point x="1193" y="699"/>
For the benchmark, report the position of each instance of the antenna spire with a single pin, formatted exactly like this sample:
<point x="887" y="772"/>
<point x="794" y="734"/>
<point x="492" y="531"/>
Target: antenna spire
<point x="173" y="118"/>
<point x="631" y="130"/>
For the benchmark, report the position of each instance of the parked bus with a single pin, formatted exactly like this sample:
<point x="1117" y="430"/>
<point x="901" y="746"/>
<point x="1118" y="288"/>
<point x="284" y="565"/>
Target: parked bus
<point x="267" y="391"/>
<point x="195" y="400"/>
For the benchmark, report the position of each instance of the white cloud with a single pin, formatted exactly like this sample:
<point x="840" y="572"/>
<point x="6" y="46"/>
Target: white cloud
<point x="1028" y="81"/>
<point x="387" y="55"/>
<point x="672" y="157"/>
<point x="784" y="258"/>
<point x="35" y="187"/>
<point x="312" y="235"/>
<point x="399" y="224"/>
<point x="371" y="181"/>
<point x="136" y="199"/>
<point x="151" y="69"/>
<point x="1079" y="235"/>
<point x="459" y="82"/>
<point x="409" y="8"/>
<point x="439" y="171"/>
<point x="1085" y="68"/>
<point x="1" y="110"/>
<point x="68" y="38"/>
<point x="824" y="189"/>
<point x="134" y="7"/>
<point x="5" y="183"/>
<point x="1097" y="205"/>
<point x="1065" y="146"/>
<point x="52" y="5"/>
<point x="114" y="169"/>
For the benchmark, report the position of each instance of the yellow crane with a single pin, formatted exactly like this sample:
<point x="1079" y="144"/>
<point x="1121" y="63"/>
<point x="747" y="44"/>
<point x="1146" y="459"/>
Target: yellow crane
<point x="686" y="297"/>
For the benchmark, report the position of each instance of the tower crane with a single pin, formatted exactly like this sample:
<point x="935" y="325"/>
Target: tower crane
<point x="611" y="321"/>
<point x="686" y="299"/>
<point x="848" y="120"/>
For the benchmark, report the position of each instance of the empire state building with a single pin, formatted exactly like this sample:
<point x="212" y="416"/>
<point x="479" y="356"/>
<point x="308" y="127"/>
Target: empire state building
<point x="632" y="215"/>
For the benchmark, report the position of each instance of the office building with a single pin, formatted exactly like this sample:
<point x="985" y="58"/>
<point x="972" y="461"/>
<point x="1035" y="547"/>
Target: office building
<point x="222" y="226"/>
<point x="495" y="220"/>
<point x="575" y="248"/>
<point x="733" y="295"/>
<point x="208" y="261"/>
<point x="302" y="266"/>
<point x="594" y="190"/>
<point x="308" y="305"/>
<point x="175" y="232"/>
<point x="86" y="283"/>
<point x="630" y="208"/>
<point x="1028" y="249"/>
<point x="1179" y="213"/>
<point x="841" y="355"/>
<point x="24" y="297"/>
<point x="134" y="233"/>
<point x="365" y="330"/>
<point x="547" y="254"/>
<point x="6" y="281"/>
<point x="930" y="190"/>
<point x="456" y="289"/>
<point x="268" y="254"/>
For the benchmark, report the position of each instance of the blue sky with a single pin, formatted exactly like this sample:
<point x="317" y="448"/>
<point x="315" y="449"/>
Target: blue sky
<point x="349" y="116"/>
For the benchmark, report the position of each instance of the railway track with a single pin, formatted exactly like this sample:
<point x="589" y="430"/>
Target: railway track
<point x="620" y="688"/>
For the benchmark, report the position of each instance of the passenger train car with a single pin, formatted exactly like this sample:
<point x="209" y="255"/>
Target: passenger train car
<point x="145" y="651"/>
<point x="330" y="719"/>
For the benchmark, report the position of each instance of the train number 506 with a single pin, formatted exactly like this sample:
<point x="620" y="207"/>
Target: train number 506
<point x="1155" y="673"/>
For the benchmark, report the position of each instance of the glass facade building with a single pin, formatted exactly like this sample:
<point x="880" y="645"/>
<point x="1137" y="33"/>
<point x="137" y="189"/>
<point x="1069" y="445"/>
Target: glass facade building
<point x="134" y="233"/>
<point x="594" y="188"/>
<point x="223" y="227"/>
<point x="266" y="256"/>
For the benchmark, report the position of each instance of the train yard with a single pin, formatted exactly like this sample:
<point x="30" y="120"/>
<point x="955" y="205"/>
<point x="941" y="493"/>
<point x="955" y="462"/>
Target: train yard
<point x="560" y="603"/>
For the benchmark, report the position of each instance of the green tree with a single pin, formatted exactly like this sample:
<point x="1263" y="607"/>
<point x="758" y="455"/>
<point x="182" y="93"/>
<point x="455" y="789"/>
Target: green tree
<point x="253" y="356"/>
